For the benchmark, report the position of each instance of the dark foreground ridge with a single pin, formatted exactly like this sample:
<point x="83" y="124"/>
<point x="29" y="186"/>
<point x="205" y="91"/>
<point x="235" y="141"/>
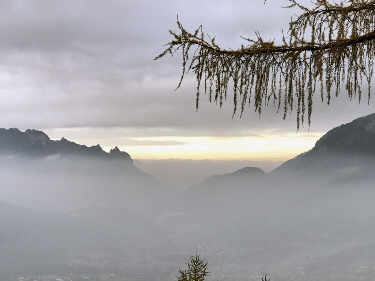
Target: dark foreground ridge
<point x="34" y="143"/>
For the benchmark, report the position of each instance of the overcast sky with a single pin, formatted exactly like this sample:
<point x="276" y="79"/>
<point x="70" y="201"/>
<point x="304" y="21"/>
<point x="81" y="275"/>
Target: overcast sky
<point x="84" y="69"/>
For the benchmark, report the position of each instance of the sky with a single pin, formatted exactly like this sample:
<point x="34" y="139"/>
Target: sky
<point x="84" y="70"/>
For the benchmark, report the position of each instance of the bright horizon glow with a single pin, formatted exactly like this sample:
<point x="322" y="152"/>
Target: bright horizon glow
<point x="267" y="146"/>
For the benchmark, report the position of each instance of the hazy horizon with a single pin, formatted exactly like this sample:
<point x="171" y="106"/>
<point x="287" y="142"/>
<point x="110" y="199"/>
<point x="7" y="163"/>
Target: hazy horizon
<point x="85" y="71"/>
<point x="184" y="173"/>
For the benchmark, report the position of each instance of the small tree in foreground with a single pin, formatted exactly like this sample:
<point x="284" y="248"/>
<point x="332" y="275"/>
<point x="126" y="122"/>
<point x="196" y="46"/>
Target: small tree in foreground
<point x="330" y="44"/>
<point x="196" y="271"/>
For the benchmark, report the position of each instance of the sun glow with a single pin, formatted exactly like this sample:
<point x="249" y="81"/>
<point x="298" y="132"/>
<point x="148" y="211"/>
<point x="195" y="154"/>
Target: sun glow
<point x="272" y="148"/>
<point x="269" y="145"/>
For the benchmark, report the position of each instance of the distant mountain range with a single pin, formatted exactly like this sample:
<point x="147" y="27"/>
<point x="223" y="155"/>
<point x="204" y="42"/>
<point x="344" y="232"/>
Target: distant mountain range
<point x="323" y="186"/>
<point x="37" y="171"/>
<point x="347" y="150"/>
<point x="351" y="144"/>
<point x="33" y="143"/>
<point x="315" y="212"/>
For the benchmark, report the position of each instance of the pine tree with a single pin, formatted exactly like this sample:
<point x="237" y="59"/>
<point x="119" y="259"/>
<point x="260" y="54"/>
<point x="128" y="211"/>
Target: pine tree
<point x="196" y="271"/>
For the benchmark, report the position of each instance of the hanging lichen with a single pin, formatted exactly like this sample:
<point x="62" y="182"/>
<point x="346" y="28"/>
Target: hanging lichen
<point x="327" y="46"/>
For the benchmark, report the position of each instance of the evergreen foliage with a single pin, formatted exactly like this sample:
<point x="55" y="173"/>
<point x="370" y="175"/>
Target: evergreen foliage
<point x="196" y="271"/>
<point x="326" y="46"/>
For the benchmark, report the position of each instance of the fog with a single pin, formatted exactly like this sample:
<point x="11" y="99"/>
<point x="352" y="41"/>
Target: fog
<point x="183" y="173"/>
<point x="68" y="183"/>
<point x="71" y="217"/>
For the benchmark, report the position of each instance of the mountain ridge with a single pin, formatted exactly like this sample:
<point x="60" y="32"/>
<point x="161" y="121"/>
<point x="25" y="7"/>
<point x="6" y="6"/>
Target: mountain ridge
<point x="34" y="143"/>
<point x="41" y="173"/>
<point x="343" y="147"/>
<point x="248" y="218"/>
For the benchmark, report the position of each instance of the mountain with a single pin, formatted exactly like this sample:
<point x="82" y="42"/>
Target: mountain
<point x="33" y="143"/>
<point x="346" y="152"/>
<point x="244" y="174"/>
<point x="317" y="204"/>
<point x="314" y="215"/>
<point x="42" y="173"/>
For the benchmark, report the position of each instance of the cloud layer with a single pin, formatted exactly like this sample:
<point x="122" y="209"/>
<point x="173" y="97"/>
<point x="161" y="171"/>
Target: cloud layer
<point x="89" y="64"/>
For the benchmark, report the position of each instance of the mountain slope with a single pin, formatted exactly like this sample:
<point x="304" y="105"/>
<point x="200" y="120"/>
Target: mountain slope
<point x="345" y="151"/>
<point x="322" y="196"/>
<point x="39" y="172"/>
<point x="33" y="143"/>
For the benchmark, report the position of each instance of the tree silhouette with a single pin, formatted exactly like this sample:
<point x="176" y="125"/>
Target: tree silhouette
<point x="326" y="46"/>
<point x="196" y="271"/>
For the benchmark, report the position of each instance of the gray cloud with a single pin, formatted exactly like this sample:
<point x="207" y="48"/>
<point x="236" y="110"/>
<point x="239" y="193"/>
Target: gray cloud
<point x="69" y="64"/>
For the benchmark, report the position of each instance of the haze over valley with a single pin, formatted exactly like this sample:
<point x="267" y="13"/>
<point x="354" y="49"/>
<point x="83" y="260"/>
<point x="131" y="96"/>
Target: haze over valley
<point x="75" y="212"/>
<point x="109" y="173"/>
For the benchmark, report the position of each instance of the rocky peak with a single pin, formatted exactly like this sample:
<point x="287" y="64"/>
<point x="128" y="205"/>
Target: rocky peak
<point x="34" y="143"/>
<point x="37" y="137"/>
<point x="116" y="153"/>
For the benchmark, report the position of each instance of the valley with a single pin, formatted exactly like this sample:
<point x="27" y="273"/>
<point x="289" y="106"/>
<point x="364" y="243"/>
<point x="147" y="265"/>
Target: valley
<point x="72" y="212"/>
